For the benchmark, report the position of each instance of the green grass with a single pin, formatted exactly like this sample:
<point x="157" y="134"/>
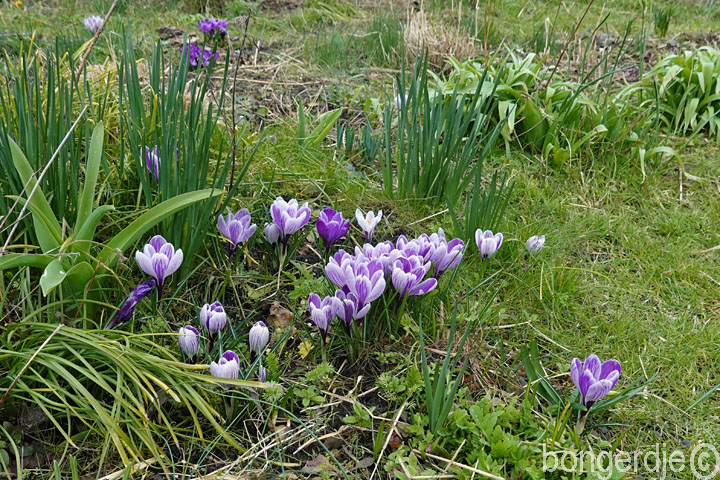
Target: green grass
<point x="622" y="273"/>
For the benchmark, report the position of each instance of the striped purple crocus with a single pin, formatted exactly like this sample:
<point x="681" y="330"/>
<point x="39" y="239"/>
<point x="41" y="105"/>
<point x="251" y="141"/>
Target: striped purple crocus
<point x="321" y="313"/>
<point x="288" y="217"/>
<point x="152" y="162"/>
<point x="189" y="340"/>
<point x="487" y="242"/>
<point x="408" y="276"/>
<point x="236" y="227"/>
<point x="594" y="379"/>
<point x="227" y="367"/>
<point x="159" y="259"/>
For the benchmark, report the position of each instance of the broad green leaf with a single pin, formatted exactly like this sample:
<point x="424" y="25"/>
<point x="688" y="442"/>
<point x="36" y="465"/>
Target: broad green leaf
<point x="12" y="260"/>
<point x="87" y="197"/>
<point x="53" y="276"/>
<point x="47" y="227"/>
<point x="79" y="276"/>
<point x="149" y="219"/>
<point x="86" y="231"/>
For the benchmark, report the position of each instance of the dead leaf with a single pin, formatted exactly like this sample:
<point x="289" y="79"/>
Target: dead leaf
<point x="279" y="316"/>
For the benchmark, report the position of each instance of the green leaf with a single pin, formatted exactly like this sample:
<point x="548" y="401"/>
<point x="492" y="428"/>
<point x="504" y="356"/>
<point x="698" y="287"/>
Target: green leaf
<point x="326" y="122"/>
<point x="87" y="197"/>
<point x="53" y="276"/>
<point x="149" y="219"/>
<point x="47" y="227"/>
<point x="86" y="232"/>
<point x="12" y="260"/>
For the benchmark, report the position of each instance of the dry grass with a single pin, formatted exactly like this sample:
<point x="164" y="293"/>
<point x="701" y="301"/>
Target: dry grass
<point x="441" y="40"/>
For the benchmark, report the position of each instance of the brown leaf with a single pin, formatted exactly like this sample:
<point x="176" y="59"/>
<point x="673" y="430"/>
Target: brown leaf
<point x="279" y="316"/>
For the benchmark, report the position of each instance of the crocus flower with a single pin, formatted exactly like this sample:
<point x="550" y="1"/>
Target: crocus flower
<point x="360" y="276"/>
<point x="236" y="227"/>
<point x="408" y="274"/>
<point x="321" y="313"/>
<point x="188" y="338"/>
<point x="348" y="308"/>
<point x="331" y="226"/>
<point x="93" y="23"/>
<point x="152" y="162"/>
<point x="368" y="221"/>
<point x="125" y="312"/>
<point x="593" y="379"/>
<point x="289" y="217"/>
<point x="535" y="243"/>
<point x="159" y="259"/>
<point x="227" y="367"/>
<point x="262" y="375"/>
<point x="213" y="26"/>
<point x="213" y="317"/>
<point x="272" y="233"/>
<point x="444" y="255"/>
<point x="488" y="243"/>
<point x="195" y="55"/>
<point x="259" y="337"/>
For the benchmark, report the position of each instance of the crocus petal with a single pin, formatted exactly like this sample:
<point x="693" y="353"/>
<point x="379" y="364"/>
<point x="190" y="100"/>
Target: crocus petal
<point x="575" y="371"/>
<point x="592" y="363"/>
<point x="597" y="391"/>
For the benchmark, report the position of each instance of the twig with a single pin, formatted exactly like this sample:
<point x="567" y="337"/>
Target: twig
<point x="577" y="25"/>
<point x="42" y="174"/>
<point x="93" y="41"/>
<point x="2" y="399"/>
<point x="461" y="465"/>
<point x="387" y="440"/>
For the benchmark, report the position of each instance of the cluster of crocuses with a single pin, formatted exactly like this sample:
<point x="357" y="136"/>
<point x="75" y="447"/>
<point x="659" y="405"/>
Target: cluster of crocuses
<point x="211" y="27"/>
<point x="197" y="56"/>
<point x="213" y="319"/>
<point x="411" y="267"/>
<point x="93" y="23"/>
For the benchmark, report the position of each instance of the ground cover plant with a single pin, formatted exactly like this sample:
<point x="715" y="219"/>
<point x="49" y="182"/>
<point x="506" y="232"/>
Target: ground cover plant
<point x="338" y="239"/>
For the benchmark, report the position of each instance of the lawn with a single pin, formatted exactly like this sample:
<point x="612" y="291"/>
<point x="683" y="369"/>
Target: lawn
<point x="143" y="337"/>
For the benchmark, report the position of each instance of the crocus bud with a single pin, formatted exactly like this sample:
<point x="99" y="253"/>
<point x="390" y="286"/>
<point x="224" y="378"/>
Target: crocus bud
<point x="262" y="375"/>
<point x="152" y="162"/>
<point x="213" y="317"/>
<point x="272" y="233"/>
<point x="189" y="341"/>
<point x="259" y="337"/>
<point x="125" y="312"/>
<point x="227" y="367"/>
<point x="535" y="243"/>
<point x="487" y="243"/>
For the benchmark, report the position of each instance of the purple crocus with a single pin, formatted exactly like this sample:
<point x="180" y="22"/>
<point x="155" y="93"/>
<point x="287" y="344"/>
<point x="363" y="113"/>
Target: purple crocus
<point x="359" y="276"/>
<point x="159" y="259"/>
<point x="213" y="317"/>
<point x="444" y="255"/>
<point x="93" y="23"/>
<point x="189" y="340"/>
<point x="125" y="312"/>
<point x="321" y="313"/>
<point x="408" y="274"/>
<point x="535" y="243"/>
<point x="259" y="337"/>
<point x="487" y="243"/>
<point x="348" y="308"/>
<point x="289" y="217"/>
<point x="262" y="375"/>
<point x="594" y="379"/>
<point x="152" y="162"/>
<point x="331" y="226"/>
<point x="368" y="221"/>
<point x="195" y="55"/>
<point x="213" y="26"/>
<point x="227" y="367"/>
<point x="236" y="228"/>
